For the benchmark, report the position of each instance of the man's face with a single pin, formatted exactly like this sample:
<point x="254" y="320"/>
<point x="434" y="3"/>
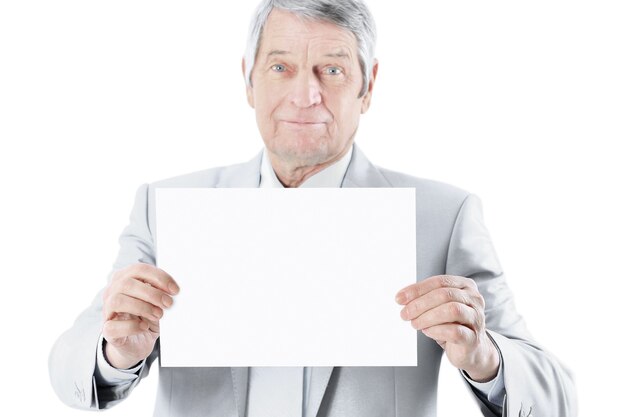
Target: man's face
<point x="306" y="82"/>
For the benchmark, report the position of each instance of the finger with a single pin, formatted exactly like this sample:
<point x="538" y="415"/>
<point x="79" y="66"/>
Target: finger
<point x="122" y="303"/>
<point x="143" y="291"/>
<point x="444" y="314"/>
<point x="115" y="329"/>
<point x="152" y="275"/>
<point x="451" y="333"/>
<point x="418" y="289"/>
<point x="153" y="326"/>
<point x="437" y="297"/>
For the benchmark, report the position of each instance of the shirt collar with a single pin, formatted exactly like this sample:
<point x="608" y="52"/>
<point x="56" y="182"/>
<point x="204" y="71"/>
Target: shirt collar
<point x="331" y="176"/>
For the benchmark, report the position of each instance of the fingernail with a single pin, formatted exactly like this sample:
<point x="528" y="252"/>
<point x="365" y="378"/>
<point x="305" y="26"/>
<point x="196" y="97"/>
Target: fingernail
<point x="167" y="300"/>
<point x="158" y="313"/>
<point x="173" y="288"/>
<point x="400" y="298"/>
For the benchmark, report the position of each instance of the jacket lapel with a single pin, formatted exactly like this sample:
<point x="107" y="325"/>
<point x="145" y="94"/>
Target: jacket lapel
<point x="320" y="375"/>
<point x="246" y="175"/>
<point x="360" y="173"/>
<point x="240" y="388"/>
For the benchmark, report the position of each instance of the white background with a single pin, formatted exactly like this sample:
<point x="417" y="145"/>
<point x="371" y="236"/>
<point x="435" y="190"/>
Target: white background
<point x="522" y="103"/>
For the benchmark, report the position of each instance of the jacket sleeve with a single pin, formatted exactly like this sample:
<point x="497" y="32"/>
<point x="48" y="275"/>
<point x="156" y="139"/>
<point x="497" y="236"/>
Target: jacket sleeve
<point x="536" y="384"/>
<point x="72" y="360"/>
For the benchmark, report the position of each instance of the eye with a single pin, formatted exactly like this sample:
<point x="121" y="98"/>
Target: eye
<point x="278" y="68"/>
<point x="333" y="70"/>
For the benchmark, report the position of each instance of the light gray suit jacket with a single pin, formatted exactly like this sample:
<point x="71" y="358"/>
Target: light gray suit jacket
<point x="451" y="239"/>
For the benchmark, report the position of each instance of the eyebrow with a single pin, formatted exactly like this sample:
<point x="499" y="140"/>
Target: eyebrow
<point x="277" y="52"/>
<point x="340" y="54"/>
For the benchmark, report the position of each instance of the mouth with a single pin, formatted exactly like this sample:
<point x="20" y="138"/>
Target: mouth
<point x="303" y="123"/>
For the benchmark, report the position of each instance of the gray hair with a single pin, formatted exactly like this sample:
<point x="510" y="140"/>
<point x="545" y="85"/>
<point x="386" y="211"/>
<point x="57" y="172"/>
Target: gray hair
<point x="352" y="15"/>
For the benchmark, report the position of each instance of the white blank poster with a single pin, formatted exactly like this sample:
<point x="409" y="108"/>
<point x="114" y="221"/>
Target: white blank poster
<point x="287" y="277"/>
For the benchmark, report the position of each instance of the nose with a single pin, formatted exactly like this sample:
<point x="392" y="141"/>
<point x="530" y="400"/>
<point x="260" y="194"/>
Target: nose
<point x="306" y="90"/>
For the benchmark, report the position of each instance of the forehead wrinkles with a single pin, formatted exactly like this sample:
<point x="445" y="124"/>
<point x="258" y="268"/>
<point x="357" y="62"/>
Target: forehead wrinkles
<point x="295" y="47"/>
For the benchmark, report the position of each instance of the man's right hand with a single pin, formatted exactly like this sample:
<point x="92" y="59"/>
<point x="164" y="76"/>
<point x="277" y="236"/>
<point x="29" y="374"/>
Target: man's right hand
<point x="133" y="305"/>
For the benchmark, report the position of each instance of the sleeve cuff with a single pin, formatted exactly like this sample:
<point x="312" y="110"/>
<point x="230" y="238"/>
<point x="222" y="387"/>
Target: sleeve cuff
<point x="106" y="374"/>
<point x="492" y="390"/>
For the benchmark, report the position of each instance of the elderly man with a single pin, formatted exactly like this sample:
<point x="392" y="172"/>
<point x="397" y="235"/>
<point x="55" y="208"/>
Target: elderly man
<point x="310" y="72"/>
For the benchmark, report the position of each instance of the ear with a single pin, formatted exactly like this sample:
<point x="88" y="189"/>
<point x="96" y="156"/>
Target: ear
<point x="367" y="98"/>
<point x="249" y="94"/>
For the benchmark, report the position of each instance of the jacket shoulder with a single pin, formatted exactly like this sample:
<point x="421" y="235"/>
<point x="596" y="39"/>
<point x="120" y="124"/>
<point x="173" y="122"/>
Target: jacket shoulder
<point x="204" y="178"/>
<point x="431" y="192"/>
<point x="207" y="178"/>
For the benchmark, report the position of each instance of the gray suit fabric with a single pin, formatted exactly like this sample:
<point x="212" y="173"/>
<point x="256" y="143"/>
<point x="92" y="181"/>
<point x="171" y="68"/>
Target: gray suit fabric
<point x="451" y="239"/>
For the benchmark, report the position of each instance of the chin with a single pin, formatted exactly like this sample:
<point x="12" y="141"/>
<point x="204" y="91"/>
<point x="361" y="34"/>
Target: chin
<point x="303" y="151"/>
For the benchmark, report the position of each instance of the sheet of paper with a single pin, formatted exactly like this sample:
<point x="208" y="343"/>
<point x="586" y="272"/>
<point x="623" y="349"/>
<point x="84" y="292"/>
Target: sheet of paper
<point x="287" y="277"/>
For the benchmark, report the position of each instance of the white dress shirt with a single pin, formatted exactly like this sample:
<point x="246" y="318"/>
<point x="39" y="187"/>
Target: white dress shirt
<point x="284" y="391"/>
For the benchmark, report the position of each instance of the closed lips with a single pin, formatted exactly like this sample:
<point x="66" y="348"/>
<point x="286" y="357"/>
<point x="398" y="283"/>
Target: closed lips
<point x="303" y="122"/>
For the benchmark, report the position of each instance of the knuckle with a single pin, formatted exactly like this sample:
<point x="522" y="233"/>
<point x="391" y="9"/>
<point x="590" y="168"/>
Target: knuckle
<point x="116" y="301"/>
<point x="456" y="309"/>
<point x="126" y="286"/>
<point x="480" y="300"/>
<point x="449" y="294"/>
<point x="471" y="283"/>
<point x="445" y="280"/>
<point x="458" y="334"/>
<point x="480" y="320"/>
<point x="463" y="297"/>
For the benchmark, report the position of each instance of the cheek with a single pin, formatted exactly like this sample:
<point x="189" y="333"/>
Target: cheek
<point x="264" y="95"/>
<point x="265" y="106"/>
<point x="263" y="102"/>
<point x="346" y="113"/>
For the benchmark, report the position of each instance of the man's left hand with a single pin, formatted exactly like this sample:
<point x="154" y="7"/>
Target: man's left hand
<point x="450" y="310"/>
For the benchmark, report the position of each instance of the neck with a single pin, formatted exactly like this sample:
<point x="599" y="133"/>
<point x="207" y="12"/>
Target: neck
<point x="292" y="175"/>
